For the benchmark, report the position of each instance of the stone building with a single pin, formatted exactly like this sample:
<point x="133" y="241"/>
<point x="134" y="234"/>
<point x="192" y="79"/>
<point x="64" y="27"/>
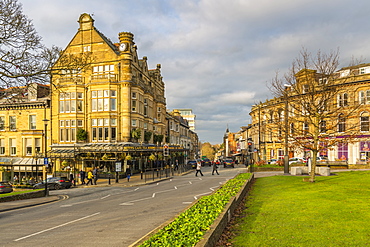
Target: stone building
<point x="349" y="128"/>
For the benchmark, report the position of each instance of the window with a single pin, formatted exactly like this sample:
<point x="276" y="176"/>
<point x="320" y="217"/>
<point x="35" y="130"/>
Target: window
<point x="323" y="80"/>
<point x="13" y="146"/>
<point x="32" y="122"/>
<point x="67" y="130"/>
<point x="133" y="106"/>
<point x="364" y="122"/>
<point x="344" y="73"/>
<point x="341" y="123"/>
<point x="133" y="122"/>
<point x="343" y="99"/>
<point x="103" y="100"/>
<point x="12" y="123"/>
<point x="322" y="127"/>
<point x="305" y="88"/>
<point x="306" y="127"/>
<point x="364" y="70"/>
<point x="68" y="102"/>
<point x="343" y="151"/>
<point x="292" y="128"/>
<point x="2" y="146"/>
<point x="364" y="97"/>
<point x="104" y="129"/>
<point x="134" y="95"/>
<point x="37" y="145"/>
<point x="2" y="123"/>
<point x="28" y="146"/>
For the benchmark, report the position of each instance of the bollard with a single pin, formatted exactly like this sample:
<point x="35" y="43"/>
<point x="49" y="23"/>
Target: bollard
<point x="117" y="177"/>
<point x="141" y="175"/>
<point x="108" y="178"/>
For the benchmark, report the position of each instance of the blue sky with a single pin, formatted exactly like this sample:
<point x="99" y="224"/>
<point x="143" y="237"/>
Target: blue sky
<point x="217" y="56"/>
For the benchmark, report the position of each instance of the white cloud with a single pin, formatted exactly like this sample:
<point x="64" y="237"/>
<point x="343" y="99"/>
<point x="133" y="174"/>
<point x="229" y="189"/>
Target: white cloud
<point x="217" y="55"/>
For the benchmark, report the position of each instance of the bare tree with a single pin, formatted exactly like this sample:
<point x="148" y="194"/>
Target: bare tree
<point x="314" y="97"/>
<point x="23" y="57"/>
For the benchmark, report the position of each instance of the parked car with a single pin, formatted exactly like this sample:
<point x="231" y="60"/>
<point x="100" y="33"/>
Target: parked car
<point x="193" y="163"/>
<point x="272" y="161"/>
<point x="296" y="160"/>
<point x="207" y="162"/>
<point x="55" y="183"/>
<point x="228" y="163"/>
<point x="5" y="187"/>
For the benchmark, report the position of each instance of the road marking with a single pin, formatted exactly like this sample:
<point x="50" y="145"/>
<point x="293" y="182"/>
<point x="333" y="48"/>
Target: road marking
<point x="187" y="202"/>
<point x="132" y="202"/>
<point x="55" y="227"/>
<point x="196" y="196"/>
<point x="105" y="197"/>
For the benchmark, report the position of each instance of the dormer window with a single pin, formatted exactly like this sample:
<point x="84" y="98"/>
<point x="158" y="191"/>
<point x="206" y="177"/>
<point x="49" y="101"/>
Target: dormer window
<point x="344" y="73"/>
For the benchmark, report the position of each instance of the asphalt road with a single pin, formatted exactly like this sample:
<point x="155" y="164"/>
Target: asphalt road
<point x="107" y="216"/>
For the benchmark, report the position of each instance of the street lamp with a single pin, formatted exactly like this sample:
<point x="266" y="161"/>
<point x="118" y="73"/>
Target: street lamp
<point x="286" y="156"/>
<point x="46" y="163"/>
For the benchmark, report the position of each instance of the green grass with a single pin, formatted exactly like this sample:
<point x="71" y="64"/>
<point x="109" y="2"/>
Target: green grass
<point x="18" y="192"/>
<point x="285" y="211"/>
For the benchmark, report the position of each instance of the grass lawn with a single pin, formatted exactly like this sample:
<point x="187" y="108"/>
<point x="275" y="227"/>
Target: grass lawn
<point x="18" y="192"/>
<point x="285" y="211"/>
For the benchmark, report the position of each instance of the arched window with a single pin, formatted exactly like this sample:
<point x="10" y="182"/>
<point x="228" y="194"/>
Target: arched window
<point x="364" y="121"/>
<point x="341" y="123"/>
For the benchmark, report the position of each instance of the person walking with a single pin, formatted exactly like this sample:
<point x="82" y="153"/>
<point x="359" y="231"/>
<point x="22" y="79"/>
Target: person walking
<point x="95" y="174"/>
<point x="215" y="167"/>
<point x="176" y="165"/>
<point x="82" y="176"/>
<point x="90" y="177"/>
<point x="128" y="173"/>
<point x="199" y="167"/>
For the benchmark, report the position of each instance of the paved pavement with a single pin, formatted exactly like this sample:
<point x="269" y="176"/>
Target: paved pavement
<point x="135" y="180"/>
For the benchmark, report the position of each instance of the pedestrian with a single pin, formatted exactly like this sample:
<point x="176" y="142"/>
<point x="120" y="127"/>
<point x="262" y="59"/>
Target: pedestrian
<point x="82" y="176"/>
<point x="128" y="173"/>
<point x="176" y="165"/>
<point x="15" y="178"/>
<point x="215" y="167"/>
<point x="90" y="177"/>
<point x="199" y="167"/>
<point x="95" y="174"/>
<point x="71" y="178"/>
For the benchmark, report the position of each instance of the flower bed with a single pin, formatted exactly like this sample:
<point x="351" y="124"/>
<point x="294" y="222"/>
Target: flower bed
<point x="189" y="227"/>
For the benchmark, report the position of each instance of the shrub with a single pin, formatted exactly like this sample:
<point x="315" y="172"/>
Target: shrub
<point x="189" y="227"/>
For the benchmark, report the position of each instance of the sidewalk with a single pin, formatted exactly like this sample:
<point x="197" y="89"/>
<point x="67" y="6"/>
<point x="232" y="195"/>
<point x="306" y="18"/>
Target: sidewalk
<point x="135" y="180"/>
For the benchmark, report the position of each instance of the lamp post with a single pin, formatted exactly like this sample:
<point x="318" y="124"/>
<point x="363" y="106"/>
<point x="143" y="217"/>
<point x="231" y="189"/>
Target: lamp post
<point x="46" y="162"/>
<point x="286" y="123"/>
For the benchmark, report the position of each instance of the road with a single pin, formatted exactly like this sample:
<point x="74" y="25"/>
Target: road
<point x="107" y="216"/>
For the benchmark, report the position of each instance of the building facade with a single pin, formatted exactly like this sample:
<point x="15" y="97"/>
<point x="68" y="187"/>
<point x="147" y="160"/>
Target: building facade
<point x="349" y="127"/>
<point x="104" y="106"/>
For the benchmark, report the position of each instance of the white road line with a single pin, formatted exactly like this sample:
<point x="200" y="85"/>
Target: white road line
<point x="187" y="202"/>
<point x="131" y="202"/>
<point x="196" y="196"/>
<point x="55" y="227"/>
<point x="105" y="197"/>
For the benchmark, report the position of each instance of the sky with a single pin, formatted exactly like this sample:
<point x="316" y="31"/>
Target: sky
<point x="217" y="57"/>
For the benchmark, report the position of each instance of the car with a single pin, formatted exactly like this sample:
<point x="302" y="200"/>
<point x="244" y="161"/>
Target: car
<point x="272" y="161"/>
<point x="193" y="163"/>
<point x="5" y="187"/>
<point x="229" y="163"/>
<point x="295" y="160"/>
<point x="55" y="183"/>
<point x="207" y="162"/>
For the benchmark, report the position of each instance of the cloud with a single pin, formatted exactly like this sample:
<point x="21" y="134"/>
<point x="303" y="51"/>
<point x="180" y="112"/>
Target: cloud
<point x="217" y="56"/>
